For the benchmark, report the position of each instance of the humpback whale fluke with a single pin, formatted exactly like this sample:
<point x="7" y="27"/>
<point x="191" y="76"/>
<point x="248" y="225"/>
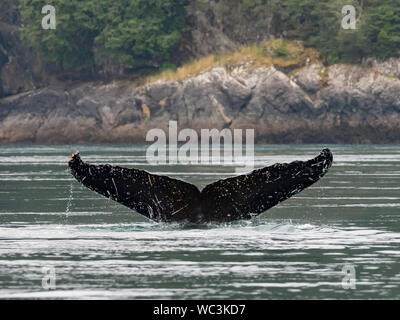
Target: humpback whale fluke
<point x="164" y="199"/>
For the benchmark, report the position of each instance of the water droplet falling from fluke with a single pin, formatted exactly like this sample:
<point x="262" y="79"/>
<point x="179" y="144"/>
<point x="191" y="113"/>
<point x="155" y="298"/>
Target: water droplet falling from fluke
<point x="69" y="202"/>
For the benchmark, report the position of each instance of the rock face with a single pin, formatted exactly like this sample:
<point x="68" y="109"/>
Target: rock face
<point x="339" y="104"/>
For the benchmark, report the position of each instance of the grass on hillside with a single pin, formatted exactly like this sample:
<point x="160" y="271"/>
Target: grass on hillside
<point x="281" y="53"/>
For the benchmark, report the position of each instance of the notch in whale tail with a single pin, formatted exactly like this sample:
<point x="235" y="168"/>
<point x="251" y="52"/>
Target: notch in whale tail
<point x="164" y="199"/>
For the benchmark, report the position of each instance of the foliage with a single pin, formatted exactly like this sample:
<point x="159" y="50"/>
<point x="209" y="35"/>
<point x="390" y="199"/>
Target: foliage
<point x="143" y="33"/>
<point x="137" y="32"/>
<point x="256" y="55"/>
<point x="318" y="23"/>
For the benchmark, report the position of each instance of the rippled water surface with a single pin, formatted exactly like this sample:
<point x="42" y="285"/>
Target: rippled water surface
<point x="100" y="249"/>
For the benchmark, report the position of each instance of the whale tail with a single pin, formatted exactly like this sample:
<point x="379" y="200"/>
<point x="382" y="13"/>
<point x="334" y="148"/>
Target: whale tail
<point x="164" y="199"/>
<point x="249" y="195"/>
<point x="156" y="197"/>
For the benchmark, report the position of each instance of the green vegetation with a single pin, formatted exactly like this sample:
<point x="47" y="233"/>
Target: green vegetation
<point x="143" y="33"/>
<point x="318" y="24"/>
<point x="280" y="53"/>
<point x="137" y="32"/>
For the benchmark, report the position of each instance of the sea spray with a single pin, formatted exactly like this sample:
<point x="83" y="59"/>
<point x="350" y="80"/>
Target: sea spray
<point x="69" y="202"/>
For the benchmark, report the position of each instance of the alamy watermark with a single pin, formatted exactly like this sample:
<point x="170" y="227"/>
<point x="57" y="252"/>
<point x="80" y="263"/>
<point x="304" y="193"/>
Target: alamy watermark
<point x="205" y="149"/>
<point x="49" y="278"/>
<point x="349" y="19"/>
<point x="49" y="20"/>
<point x="349" y="279"/>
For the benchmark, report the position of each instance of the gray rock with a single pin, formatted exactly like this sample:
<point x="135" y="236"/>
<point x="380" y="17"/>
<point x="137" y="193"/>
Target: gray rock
<point x="309" y="78"/>
<point x="389" y="67"/>
<point x="353" y="104"/>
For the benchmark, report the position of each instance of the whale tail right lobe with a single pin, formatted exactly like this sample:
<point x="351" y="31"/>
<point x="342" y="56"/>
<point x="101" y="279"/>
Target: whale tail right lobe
<point x="245" y="196"/>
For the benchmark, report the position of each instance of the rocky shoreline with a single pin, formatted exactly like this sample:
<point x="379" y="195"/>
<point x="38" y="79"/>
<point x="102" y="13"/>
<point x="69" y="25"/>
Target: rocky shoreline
<point x="306" y="102"/>
<point x="313" y="104"/>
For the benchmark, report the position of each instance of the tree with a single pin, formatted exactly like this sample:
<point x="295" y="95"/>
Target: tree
<point x="382" y="30"/>
<point x="137" y="32"/>
<point x="318" y="24"/>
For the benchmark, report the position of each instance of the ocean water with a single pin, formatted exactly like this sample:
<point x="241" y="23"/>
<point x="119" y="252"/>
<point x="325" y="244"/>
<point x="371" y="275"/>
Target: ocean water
<point x="339" y="239"/>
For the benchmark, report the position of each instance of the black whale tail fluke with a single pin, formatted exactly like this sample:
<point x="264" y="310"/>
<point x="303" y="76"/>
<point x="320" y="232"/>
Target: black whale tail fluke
<point x="245" y="196"/>
<point x="317" y="167"/>
<point x="158" y="198"/>
<point x="164" y="199"/>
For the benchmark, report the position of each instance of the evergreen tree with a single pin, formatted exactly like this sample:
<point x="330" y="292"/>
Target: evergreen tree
<point x="135" y="31"/>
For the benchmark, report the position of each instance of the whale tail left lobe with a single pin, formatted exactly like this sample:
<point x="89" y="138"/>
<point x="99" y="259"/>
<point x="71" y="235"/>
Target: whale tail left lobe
<point x="158" y="198"/>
